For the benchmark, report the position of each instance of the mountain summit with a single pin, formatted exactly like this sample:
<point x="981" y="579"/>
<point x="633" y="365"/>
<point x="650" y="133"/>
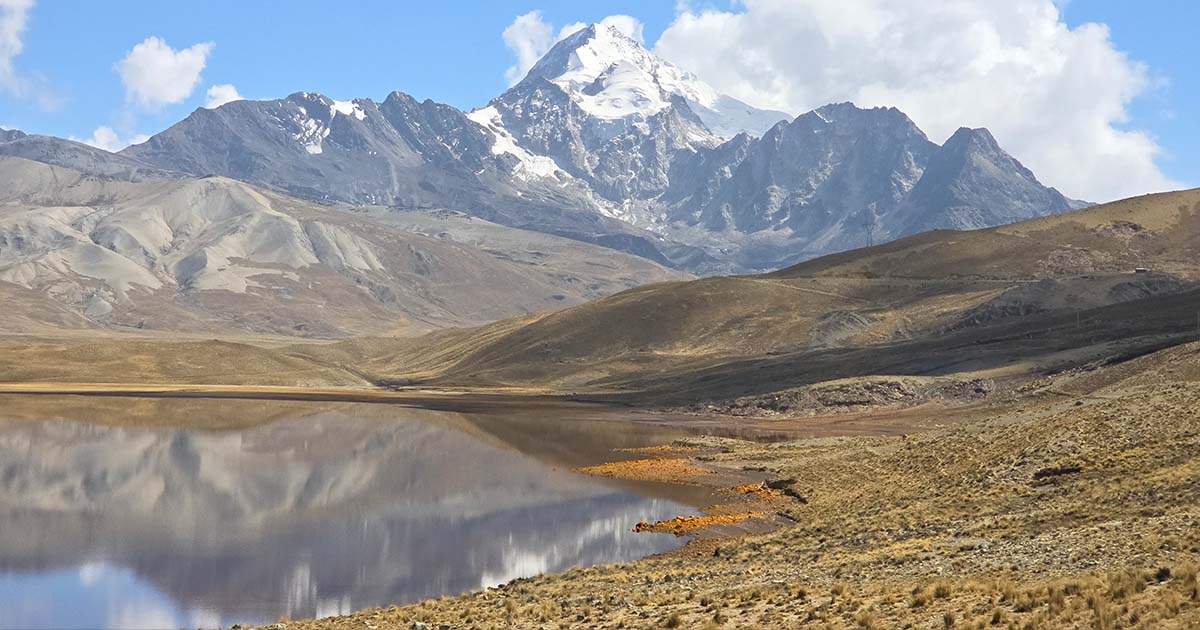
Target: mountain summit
<point x="611" y="75"/>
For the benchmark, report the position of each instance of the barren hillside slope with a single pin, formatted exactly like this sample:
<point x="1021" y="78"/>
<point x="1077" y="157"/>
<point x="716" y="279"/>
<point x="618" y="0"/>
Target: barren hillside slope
<point x="214" y="255"/>
<point x="987" y="299"/>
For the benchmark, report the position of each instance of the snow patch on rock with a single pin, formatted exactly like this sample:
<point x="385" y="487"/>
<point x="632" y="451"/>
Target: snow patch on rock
<point x="348" y="108"/>
<point x="529" y="164"/>
<point x="311" y="135"/>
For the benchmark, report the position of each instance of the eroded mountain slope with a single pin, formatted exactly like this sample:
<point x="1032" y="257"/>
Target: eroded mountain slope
<point x="214" y="254"/>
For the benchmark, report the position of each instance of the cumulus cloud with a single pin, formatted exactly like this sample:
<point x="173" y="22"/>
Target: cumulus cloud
<point x="106" y="138"/>
<point x="14" y="15"/>
<point x="1054" y="96"/>
<point x="218" y="95"/>
<point x="155" y="74"/>
<point x="530" y="36"/>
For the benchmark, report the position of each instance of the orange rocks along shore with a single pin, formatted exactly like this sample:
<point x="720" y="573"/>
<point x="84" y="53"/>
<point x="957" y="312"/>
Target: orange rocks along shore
<point x="671" y="470"/>
<point x="683" y="525"/>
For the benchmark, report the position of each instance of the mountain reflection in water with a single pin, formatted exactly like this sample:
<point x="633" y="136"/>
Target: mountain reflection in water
<point x="330" y="509"/>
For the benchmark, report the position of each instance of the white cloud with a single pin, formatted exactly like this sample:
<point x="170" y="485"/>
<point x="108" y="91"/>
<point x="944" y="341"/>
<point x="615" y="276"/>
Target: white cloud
<point x="155" y="74"/>
<point x="567" y="29"/>
<point x="14" y="18"/>
<point x="14" y="15"/>
<point x="530" y="36"/>
<point x="218" y="95"/>
<point x="631" y="26"/>
<point x="106" y="138"/>
<point x="1054" y="96"/>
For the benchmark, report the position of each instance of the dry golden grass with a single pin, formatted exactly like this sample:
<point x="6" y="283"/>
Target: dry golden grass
<point x="121" y="359"/>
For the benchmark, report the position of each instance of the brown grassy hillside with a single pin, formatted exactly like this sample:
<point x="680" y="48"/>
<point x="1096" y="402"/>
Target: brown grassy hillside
<point x="985" y="300"/>
<point x="1019" y="300"/>
<point x="1160" y="231"/>
<point x="125" y="359"/>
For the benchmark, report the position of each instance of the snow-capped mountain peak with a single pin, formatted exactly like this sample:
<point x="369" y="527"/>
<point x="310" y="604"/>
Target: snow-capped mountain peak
<point x="611" y="76"/>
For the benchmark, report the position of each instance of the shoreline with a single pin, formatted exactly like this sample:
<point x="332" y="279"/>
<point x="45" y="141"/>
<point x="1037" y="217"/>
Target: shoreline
<point x="428" y="398"/>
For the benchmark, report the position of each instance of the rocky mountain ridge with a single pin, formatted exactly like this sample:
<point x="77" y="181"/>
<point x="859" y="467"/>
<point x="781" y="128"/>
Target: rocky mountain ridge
<point x="605" y="142"/>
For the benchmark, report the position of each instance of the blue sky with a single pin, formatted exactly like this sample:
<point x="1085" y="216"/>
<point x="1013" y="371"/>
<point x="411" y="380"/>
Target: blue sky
<point x="453" y="52"/>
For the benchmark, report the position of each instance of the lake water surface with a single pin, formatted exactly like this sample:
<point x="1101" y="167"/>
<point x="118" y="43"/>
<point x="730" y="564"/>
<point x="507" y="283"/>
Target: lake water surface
<point x="112" y="518"/>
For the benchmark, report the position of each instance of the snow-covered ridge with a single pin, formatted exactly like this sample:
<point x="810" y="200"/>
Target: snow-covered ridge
<point x="347" y="108"/>
<point x="529" y="165"/>
<point x="314" y="124"/>
<point x="312" y="133"/>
